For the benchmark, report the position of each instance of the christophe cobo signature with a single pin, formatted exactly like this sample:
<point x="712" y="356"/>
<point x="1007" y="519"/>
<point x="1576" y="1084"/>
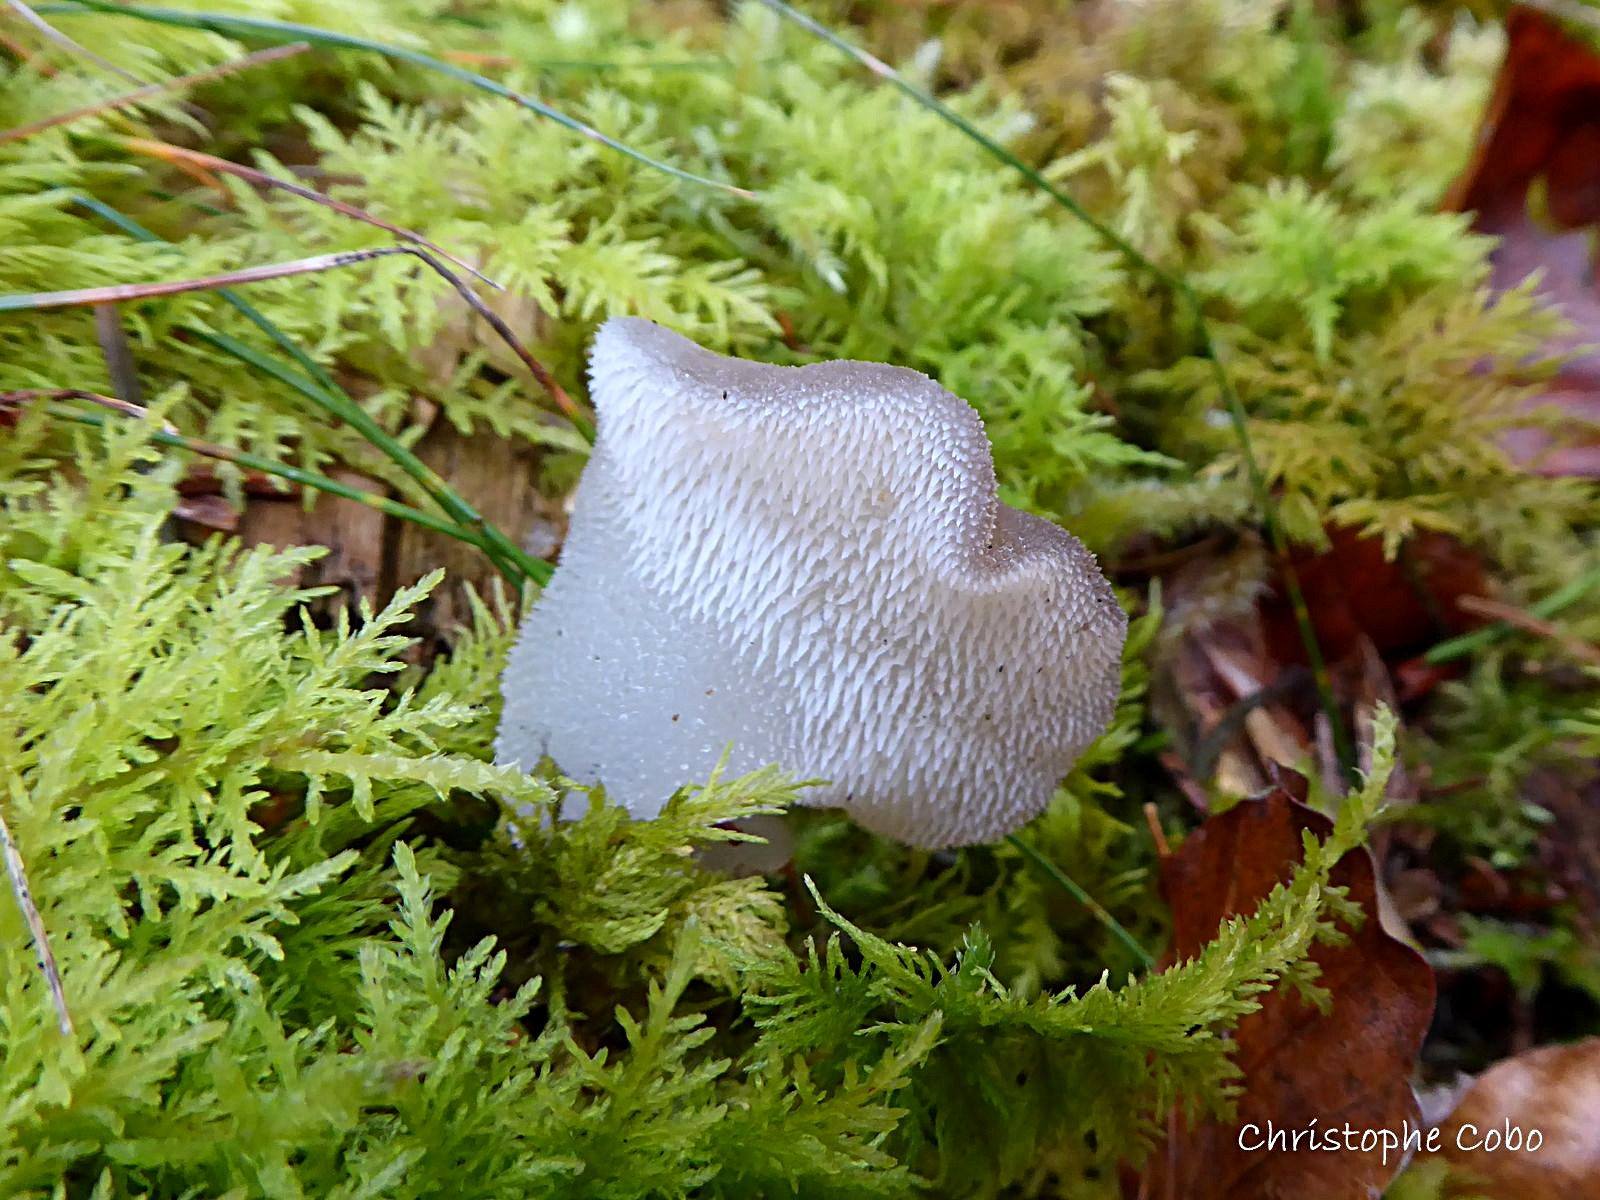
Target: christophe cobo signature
<point x="1408" y="1139"/>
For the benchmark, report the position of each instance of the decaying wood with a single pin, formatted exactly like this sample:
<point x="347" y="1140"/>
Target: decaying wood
<point x="497" y="476"/>
<point x="370" y="554"/>
<point x="353" y="534"/>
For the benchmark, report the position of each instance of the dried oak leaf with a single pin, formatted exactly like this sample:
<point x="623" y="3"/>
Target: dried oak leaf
<point x="1554" y="1090"/>
<point x="209" y="512"/>
<point x="1354" y="593"/>
<point x="1542" y="127"/>
<point x="1349" y="1065"/>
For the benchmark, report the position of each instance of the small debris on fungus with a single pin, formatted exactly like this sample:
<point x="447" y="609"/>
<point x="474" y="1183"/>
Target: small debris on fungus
<point x="810" y="565"/>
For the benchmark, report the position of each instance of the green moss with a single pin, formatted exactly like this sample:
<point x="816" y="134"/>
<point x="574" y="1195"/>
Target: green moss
<point x="314" y="944"/>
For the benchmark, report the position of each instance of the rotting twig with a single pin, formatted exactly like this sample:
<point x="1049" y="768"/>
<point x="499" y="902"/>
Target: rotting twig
<point x="260" y="57"/>
<point x="28" y="395"/>
<point x="118" y="354"/>
<point x="30" y="913"/>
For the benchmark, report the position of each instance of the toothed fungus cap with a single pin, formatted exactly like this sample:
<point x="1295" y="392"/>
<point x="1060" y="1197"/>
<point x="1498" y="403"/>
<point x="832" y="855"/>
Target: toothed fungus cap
<point x="809" y="563"/>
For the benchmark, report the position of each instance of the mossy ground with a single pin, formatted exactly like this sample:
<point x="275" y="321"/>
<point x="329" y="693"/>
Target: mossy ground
<point x="305" y="945"/>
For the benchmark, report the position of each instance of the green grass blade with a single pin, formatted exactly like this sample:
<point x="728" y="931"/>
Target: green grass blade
<point x="249" y="311"/>
<point x="336" y="404"/>
<point x="292" y="474"/>
<point x="1480" y="639"/>
<point x="281" y="32"/>
<point x="318" y="387"/>
<point x="1098" y="910"/>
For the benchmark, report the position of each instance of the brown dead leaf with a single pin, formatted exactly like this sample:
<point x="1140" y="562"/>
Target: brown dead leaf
<point x="1302" y="1068"/>
<point x="1354" y="595"/>
<point x="208" y="512"/>
<point x="1233" y="709"/>
<point x="1231" y="683"/>
<point x="1546" y="1101"/>
<point x="353" y="534"/>
<point x="1541" y="134"/>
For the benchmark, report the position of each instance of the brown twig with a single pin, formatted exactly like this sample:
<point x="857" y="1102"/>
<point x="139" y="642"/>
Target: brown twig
<point x="271" y="54"/>
<point x="1481" y="606"/>
<point x="475" y="58"/>
<point x="30" y="913"/>
<point x="114" y="348"/>
<point x="1153" y="819"/>
<point x="28" y="395"/>
<point x="66" y="43"/>
<point x="1158" y="561"/>
<point x="120" y="292"/>
<point x="179" y="156"/>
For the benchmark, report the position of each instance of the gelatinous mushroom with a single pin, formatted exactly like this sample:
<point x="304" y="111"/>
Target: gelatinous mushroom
<point x="810" y="564"/>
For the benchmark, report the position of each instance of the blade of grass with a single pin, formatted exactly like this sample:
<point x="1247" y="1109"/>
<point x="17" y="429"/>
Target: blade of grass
<point x="488" y="59"/>
<point x="1033" y="854"/>
<point x="32" y="17"/>
<point x="167" y="436"/>
<point x="30" y="913"/>
<point x="324" y="393"/>
<point x="1480" y="639"/>
<point x="262" y="29"/>
<point x="135" y="230"/>
<point x="260" y="57"/>
<point x="1189" y="299"/>
<point x="249" y="311"/>
<point x="353" y="413"/>
<point x="509" y="559"/>
<point x="118" y="293"/>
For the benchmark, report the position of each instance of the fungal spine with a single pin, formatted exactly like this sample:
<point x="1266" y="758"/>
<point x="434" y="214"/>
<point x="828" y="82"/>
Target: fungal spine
<point x="809" y="563"/>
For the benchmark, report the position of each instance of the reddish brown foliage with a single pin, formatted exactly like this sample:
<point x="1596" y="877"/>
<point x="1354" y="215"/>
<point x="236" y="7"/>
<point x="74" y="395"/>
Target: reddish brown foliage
<point x="1554" y="1090"/>
<point x="1543" y="126"/>
<point x="1351" y="590"/>
<point x="1346" y="1066"/>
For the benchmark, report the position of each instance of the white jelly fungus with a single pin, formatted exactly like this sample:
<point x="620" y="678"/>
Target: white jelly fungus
<point x="809" y="564"/>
